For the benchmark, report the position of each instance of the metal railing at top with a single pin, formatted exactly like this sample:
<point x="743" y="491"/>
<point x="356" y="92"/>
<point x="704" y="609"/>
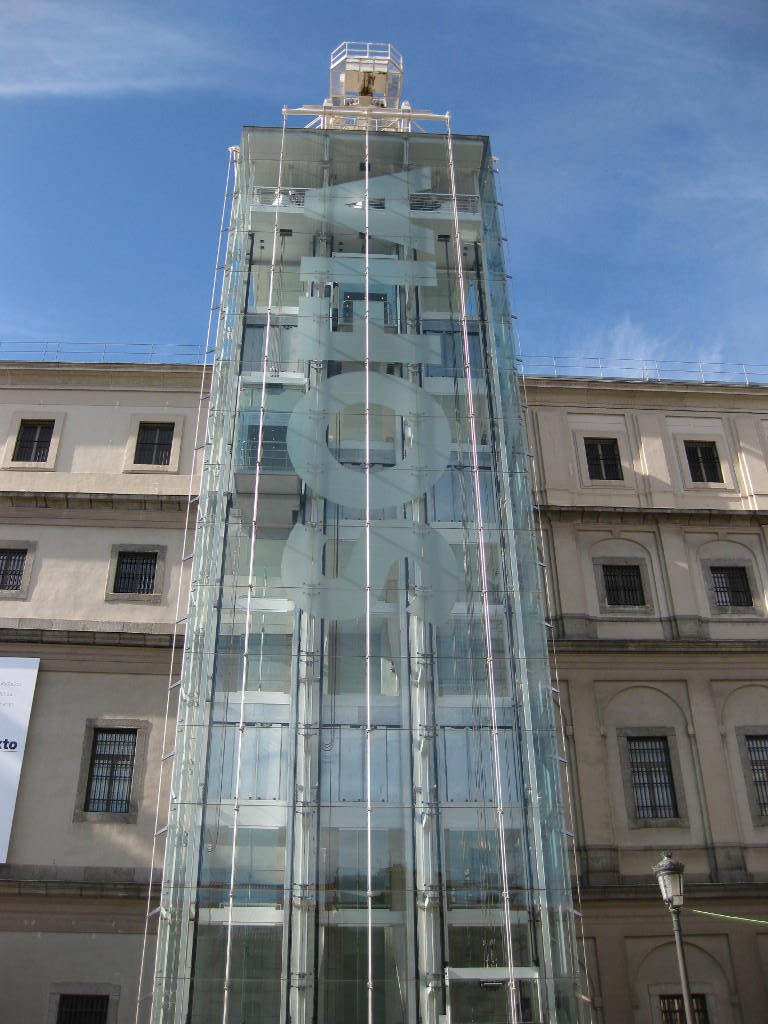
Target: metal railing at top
<point x="565" y="366"/>
<point x="99" y="352"/>
<point x="375" y="50"/>
<point x="420" y="202"/>
<point x="636" y="369"/>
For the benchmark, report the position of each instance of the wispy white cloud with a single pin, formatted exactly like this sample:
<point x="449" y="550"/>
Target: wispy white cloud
<point x="91" y="48"/>
<point x="629" y="344"/>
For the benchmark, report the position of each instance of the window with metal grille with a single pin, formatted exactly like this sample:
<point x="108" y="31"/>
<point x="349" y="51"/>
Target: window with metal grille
<point x="731" y="585"/>
<point x="82" y="1009"/>
<point x="135" y="573"/>
<point x="652" y="784"/>
<point x="33" y="441"/>
<point x="623" y="585"/>
<point x="704" y="462"/>
<point x="111" y="771"/>
<point x="12" y="569"/>
<point x="603" y="459"/>
<point x="153" y="444"/>
<point x="673" y="1009"/>
<point x="757" y="749"/>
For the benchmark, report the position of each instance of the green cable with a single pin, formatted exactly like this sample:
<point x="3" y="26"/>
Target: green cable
<point x="728" y="917"/>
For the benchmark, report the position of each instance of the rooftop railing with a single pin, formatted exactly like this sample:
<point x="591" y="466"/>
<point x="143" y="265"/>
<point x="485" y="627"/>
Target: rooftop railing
<point x="378" y="51"/>
<point x="569" y="366"/>
<point x="99" y="352"/>
<point x="637" y="369"/>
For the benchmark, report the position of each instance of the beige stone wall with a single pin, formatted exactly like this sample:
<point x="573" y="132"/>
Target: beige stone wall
<point x="679" y="667"/>
<point x="38" y="964"/>
<point x="74" y="889"/>
<point x="72" y="895"/>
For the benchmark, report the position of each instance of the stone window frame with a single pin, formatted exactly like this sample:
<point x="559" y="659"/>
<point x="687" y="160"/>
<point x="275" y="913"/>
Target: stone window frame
<point x="580" y="436"/>
<point x="720" y="441"/>
<point x="156" y="597"/>
<point x="37" y="413"/>
<point x="757" y="610"/>
<point x="82" y="988"/>
<point x="30" y="546"/>
<point x="129" y="453"/>
<point x="143" y="727"/>
<point x="647" y="610"/>
<point x="742" y="731"/>
<point x="640" y="732"/>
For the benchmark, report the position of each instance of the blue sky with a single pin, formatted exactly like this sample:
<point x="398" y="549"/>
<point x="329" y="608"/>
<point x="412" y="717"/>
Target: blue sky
<point x="632" y="137"/>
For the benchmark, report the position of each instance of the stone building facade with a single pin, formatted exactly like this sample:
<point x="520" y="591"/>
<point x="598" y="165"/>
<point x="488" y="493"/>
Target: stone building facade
<point x="654" y="502"/>
<point x="94" y="483"/>
<point x="654" y="505"/>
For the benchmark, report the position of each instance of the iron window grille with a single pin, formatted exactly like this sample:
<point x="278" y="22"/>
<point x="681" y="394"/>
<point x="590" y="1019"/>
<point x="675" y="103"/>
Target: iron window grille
<point x="135" y="573"/>
<point x="623" y="585"/>
<point x="12" y="569"/>
<point x="603" y="459"/>
<point x="652" y="784"/>
<point x="757" y="749"/>
<point x="704" y="462"/>
<point x="33" y="441"/>
<point x="153" y="444"/>
<point x="82" y="1009"/>
<point x="673" y="1009"/>
<point x="111" y="771"/>
<point x="731" y="585"/>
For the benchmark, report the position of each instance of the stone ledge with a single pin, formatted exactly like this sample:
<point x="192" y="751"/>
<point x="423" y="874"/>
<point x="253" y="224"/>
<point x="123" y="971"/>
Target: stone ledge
<point x="57" y="880"/>
<point x="81" y="500"/>
<point x="42" y="631"/>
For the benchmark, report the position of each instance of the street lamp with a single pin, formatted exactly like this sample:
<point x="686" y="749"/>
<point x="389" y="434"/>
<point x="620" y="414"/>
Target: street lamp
<point x="669" y="874"/>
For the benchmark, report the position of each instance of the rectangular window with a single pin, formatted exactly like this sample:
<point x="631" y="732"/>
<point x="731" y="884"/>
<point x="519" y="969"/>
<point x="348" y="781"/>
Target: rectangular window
<point x="135" y="573"/>
<point x="111" y="770"/>
<point x="82" y="1009"/>
<point x="757" y="749"/>
<point x="623" y="585"/>
<point x="673" y="1009"/>
<point x="33" y="441"/>
<point x="12" y="569"/>
<point x="153" y="444"/>
<point x="603" y="459"/>
<point x="731" y="586"/>
<point x="703" y="462"/>
<point x="274" y="445"/>
<point x="652" y="783"/>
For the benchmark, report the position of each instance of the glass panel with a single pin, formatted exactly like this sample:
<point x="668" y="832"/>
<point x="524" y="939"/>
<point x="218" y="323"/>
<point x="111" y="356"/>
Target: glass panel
<point x="255" y="966"/>
<point x="321" y="691"/>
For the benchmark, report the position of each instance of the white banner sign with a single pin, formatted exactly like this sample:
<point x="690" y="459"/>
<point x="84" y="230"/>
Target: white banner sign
<point x="17" y="688"/>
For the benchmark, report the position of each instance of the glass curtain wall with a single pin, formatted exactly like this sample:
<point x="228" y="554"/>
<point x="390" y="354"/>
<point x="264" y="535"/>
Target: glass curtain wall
<point x="366" y="820"/>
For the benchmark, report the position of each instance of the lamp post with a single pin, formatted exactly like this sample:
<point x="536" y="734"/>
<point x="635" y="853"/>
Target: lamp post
<point x="669" y="874"/>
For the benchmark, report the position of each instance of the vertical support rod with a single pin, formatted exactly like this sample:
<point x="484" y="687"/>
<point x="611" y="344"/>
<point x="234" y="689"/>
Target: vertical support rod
<point x="232" y="164"/>
<point x="369" y="879"/>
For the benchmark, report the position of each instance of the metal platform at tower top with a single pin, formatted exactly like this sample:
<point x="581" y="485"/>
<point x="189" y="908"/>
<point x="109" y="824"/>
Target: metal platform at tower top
<point x="366" y="81"/>
<point x="366" y="74"/>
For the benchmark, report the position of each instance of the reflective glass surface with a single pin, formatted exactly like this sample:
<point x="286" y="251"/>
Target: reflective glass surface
<point x="365" y="820"/>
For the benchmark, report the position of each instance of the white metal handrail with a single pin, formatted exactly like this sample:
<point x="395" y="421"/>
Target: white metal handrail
<point x="372" y="50"/>
<point x="628" y="368"/>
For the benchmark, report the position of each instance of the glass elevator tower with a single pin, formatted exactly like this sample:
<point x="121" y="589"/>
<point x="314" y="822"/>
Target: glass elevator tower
<point x="365" y="819"/>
